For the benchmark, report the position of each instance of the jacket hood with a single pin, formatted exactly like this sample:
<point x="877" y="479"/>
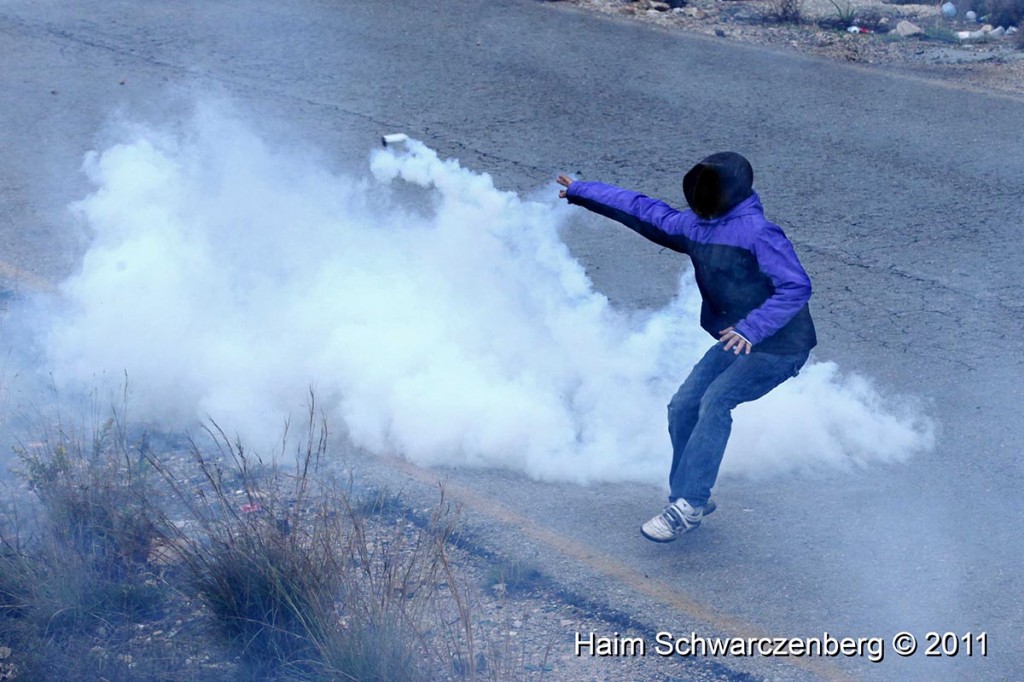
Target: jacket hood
<point x="718" y="183"/>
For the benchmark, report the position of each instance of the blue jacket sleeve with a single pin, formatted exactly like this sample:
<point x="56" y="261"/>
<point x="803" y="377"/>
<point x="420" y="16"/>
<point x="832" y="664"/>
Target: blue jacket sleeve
<point x="777" y="259"/>
<point x="649" y="217"/>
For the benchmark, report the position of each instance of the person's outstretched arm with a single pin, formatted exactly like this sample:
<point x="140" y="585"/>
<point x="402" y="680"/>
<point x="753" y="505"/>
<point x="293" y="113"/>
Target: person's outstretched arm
<point x="652" y="218"/>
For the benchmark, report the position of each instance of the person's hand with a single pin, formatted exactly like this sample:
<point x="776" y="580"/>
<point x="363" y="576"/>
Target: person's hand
<point x="733" y="341"/>
<point x="564" y="181"/>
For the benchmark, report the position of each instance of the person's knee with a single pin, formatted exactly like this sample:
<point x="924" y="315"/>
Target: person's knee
<point x="715" y="403"/>
<point x="682" y="404"/>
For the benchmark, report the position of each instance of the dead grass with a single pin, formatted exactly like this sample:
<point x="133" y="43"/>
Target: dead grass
<point x="118" y="563"/>
<point x="784" y="11"/>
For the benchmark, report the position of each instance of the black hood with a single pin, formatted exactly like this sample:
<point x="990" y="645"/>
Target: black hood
<point x="718" y="183"/>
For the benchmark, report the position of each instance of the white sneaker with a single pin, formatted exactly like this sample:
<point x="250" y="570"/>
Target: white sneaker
<point x="678" y="518"/>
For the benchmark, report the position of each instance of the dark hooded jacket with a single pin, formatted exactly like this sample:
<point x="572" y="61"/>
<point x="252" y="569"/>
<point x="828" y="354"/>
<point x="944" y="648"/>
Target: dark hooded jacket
<point x="746" y="269"/>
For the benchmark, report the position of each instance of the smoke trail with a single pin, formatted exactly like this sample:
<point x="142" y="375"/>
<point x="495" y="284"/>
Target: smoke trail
<point x="449" y="324"/>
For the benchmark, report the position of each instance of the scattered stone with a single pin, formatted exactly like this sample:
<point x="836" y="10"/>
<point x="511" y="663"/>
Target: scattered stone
<point x="720" y="33"/>
<point x="704" y="16"/>
<point x="986" y="32"/>
<point x="949" y="10"/>
<point x="661" y="6"/>
<point x="908" y="29"/>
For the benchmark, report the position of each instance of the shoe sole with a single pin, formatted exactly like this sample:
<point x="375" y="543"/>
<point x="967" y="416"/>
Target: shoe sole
<point x="652" y="539"/>
<point x="708" y="509"/>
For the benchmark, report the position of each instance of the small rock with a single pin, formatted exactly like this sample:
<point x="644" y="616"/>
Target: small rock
<point x="720" y="33"/>
<point x="908" y="29"/>
<point x="1012" y="30"/>
<point x="949" y="10"/>
<point x="987" y="27"/>
<point x="971" y="16"/>
<point x="997" y="32"/>
<point x="661" y="6"/>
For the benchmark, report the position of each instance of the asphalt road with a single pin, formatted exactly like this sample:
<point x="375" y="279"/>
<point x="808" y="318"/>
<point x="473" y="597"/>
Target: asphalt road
<point x="902" y="197"/>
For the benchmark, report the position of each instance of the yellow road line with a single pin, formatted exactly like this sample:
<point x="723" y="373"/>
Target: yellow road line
<point x="601" y="563"/>
<point x="29" y="280"/>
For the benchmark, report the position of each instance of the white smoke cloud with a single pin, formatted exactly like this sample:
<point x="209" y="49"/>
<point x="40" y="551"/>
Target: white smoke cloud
<point x="450" y="325"/>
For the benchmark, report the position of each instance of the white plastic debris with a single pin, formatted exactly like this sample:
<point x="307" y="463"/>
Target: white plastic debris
<point x="853" y="29"/>
<point x="972" y="35"/>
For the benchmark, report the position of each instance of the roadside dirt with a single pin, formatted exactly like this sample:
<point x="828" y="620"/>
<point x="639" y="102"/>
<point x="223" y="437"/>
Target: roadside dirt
<point x="994" y="65"/>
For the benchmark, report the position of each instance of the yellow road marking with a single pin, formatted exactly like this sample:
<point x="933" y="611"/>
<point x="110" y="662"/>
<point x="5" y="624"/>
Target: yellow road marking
<point x="31" y="281"/>
<point x="601" y="563"/>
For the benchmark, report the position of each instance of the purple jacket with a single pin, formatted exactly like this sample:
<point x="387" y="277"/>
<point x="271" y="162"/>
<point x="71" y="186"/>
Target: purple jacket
<point x="746" y="269"/>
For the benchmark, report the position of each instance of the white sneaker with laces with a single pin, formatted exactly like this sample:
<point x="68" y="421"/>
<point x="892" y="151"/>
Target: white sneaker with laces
<point x="679" y="517"/>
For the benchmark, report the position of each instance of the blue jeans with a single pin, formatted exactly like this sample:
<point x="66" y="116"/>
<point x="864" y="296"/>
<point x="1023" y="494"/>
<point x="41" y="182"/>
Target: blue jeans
<point x="700" y="413"/>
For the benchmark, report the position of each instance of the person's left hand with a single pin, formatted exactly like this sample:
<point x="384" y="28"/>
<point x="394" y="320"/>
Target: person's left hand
<point x="733" y="341"/>
<point x="564" y="181"/>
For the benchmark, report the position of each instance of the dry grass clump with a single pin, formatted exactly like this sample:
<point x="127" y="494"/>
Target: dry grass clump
<point x="121" y="563"/>
<point x="75" y="581"/>
<point x="294" y="582"/>
<point x="1004" y="13"/>
<point x="783" y="12"/>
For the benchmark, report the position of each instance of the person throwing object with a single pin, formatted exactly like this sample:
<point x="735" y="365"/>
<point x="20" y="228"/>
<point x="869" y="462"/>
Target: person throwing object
<point x="754" y="302"/>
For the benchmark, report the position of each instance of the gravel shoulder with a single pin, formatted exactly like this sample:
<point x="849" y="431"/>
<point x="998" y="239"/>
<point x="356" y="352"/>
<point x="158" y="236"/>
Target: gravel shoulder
<point x="993" y="66"/>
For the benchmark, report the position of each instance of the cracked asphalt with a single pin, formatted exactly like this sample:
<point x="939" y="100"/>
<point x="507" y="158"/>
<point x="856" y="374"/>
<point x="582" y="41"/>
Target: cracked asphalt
<point x="903" y="198"/>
